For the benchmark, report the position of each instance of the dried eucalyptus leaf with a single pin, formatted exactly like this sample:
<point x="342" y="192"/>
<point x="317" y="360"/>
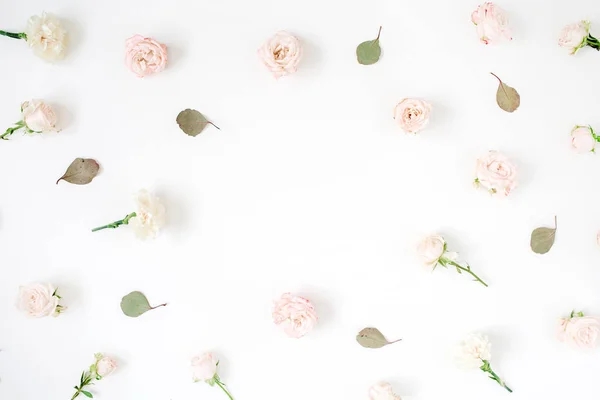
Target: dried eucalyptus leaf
<point x="135" y="304"/>
<point x="372" y="338"/>
<point x="507" y="97"/>
<point x="542" y="239"/>
<point x="369" y="52"/>
<point x="81" y="171"/>
<point x="192" y="122"/>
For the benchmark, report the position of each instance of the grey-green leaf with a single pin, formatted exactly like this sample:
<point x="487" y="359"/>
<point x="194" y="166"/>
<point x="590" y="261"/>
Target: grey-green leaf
<point x="192" y="122"/>
<point x="507" y="97"/>
<point x="135" y="304"/>
<point x="369" y="52"/>
<point x="81" y="171"/>
<point x="372" y="338"/>
<point x="542" y="239"/>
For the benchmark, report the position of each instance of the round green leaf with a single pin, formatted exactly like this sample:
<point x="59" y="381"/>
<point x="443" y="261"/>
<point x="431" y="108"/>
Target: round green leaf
<point x="372" y="338"/>
<point x="369" y="52"/>
<point x="542" y="239"/>
<point x="191" y="122"/>
<point x="135" y="304"/>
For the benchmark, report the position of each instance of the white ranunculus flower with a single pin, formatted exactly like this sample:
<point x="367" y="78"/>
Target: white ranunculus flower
<point x="473" y="351"/>
<point x="38" y="300"/>
<point x="150" y="215"/>
<point x="46" y="36"/>
<point x="39" y="116"/>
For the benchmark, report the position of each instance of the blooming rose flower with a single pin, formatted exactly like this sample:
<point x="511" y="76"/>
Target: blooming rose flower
<point x="496" y="173"/>
<point x="574" y="36"/>
<point x="382" y="391"/>
<point x="581" y="330"/>
<point x="583" y="139"/>
<point x="39" y="116"/>
<point x="204" y="368"/>
<point x="38" y="300"/>
<point x="281" y="54"/>
<point x="46" y="37"/>
<point x="295" y="314"/>
<point x="412" y="114"/>
<point x="150" y="215"/>
<point x="491" y="22"/>
<point x="473" y="351"/>
<point x="145" y="56"/>
<point x="432" y="248"/>
<point x="104" y="365"/>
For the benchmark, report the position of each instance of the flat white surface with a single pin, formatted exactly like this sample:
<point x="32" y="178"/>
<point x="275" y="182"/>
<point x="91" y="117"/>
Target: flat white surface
<point x="309" y="187"/>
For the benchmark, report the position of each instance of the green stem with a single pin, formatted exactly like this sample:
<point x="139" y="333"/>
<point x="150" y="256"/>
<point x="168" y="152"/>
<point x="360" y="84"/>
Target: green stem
<point x="487" y="368"/>
<point x="10" y="131"/>
<point x="222" y="386"/>
<point x="593" y="42"/>
<point x="467" y="270"/>
<point x="21" y="35"/>
<point x="116" y="224"/>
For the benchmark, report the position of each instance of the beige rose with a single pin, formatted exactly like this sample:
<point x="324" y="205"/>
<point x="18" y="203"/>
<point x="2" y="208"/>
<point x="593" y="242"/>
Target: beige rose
<point x="204" y="367"/>
<point x="39" y="116"/>
<point x="583" y="139"/>
<point x="412" y="115"/>
<point x="431" y="249"/>
<point x="105" y="365"/>
<point x="281" y="54"/>
<point x="38" y="300"/>
<point x="582" y="331"/>
<point x="496" y="173"/>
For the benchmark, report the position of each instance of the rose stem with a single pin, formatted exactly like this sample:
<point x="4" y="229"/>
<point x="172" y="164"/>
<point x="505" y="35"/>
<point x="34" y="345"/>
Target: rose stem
<point x="116" y="224"/>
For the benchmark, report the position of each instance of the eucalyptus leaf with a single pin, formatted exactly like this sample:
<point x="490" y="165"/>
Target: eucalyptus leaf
<point x="542" y="239"/>
<point x="507" y="97"/>
<point x="372" y="338"/>
<point x="81" y="171"/>
<point x="87" y="394"/>
<point x="192" y="122"/>
<point x="135" y="304"/>
<point x="369" y="52"/>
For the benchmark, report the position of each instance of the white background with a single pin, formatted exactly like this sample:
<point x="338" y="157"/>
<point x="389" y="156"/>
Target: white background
<point x="309" y="187"/>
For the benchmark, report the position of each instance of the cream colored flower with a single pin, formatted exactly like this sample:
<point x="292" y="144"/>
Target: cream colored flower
<point x="583" y="139"/>
<point x="38" y="300"/>
<point x="382" y="391"/>
<point x="281" y="54"/>
<point x="473" y="351"/>
<point x="580" y="330"/>
<point x="431" y="249"/>
<point x="491" y="22"/>
<point x="145" y="56"/>
<point x="204" y="368"/>
<point x="46" y="36"/>
<point x="295" y="314"/>
<point x="496" y="173"/>
<point x="105" y="365"/>
<point x="39" y="116"/>
<point x="574" y="36"/>
<point x="150" y="215"/>
<point x="412" y="115"/>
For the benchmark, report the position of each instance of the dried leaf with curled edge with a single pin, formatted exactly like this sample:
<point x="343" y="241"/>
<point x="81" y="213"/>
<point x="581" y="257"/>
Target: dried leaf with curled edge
<point x="192" y="122"/>
<point x="368" y="52"/>
<point x="81" y="171"/>
<point x="507" y="97"/>
<point x="135" y="304"/>
<point x="542" y="239"/>
<point x="372" y="338"/>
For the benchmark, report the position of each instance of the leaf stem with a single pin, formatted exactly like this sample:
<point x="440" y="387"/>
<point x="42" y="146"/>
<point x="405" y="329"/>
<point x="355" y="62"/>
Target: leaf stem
<point x="378" y="34"/>
<point x="21" y="35"/>
<point x="10" y="131"/>
<point x="467" y="270"/>
<point x="116" y="224"/>
<point x="214" y="125"/>
<point x="487" y="368"/>
<point x="160" y="305"/>
<point x="555" y="224"/>
<point x="222" y="386"/>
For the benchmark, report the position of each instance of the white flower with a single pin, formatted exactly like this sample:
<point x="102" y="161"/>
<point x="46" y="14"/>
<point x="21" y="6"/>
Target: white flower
<point x="204" y="368"/>
<point x="46" y="36"/>
<point x="574" y="36"/>
<point x="39" y="116"/>
<point x="473" y="350"/>
<point x="281" y="54"/>
<point x="431" y="249"/>
<point x="580" y="330"/>
<point x="38" y="300"/>
<point x="382" y="391"/>
<point x="150" y="215"/>
<point x="104" y="365"/>
<point x="583" y="139"/>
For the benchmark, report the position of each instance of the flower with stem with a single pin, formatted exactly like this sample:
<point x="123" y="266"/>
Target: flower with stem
<point x="45" y="36"/>
<point x="433" y="252"/>
<point x="584" y="139"/>
<point x="576" y="36"/>
<point x="475" y="352"/>
<point x="102" y="367"/>
<point x="36" y="117"/>
<point x="204" y="369"/>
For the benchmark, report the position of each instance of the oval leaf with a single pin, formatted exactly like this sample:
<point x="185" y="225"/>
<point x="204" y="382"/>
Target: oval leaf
<point x="369" y="52"/>
<point x="372" y="338"/>
<point x="507" y="97"/>
<point x="135" y="304"/>
<point x="192" y="122"/>
<point x="542" y="239"/>
<point x="81" y="171"/>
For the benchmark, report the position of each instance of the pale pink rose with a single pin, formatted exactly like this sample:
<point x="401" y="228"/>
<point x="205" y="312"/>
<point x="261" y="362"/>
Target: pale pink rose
<point x="574" y="36"/>
<point x="105" y="365"/>
<point x="431" y="249"/>
<point x="145" y="56"/>
<point x="38" y="300"/>
<point x="412" y="114"/>
<point x="496" y="173"/>
<point x="382" y="391"/>
<point x="583" y="139"/>
<point x="204" y="367"/>
<point x="281" y="54"/>
<point x="582" y="331"/>
<point x="39" y="116"/>
<point x="295" y="314"/>
<point x="491" y="22"/>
